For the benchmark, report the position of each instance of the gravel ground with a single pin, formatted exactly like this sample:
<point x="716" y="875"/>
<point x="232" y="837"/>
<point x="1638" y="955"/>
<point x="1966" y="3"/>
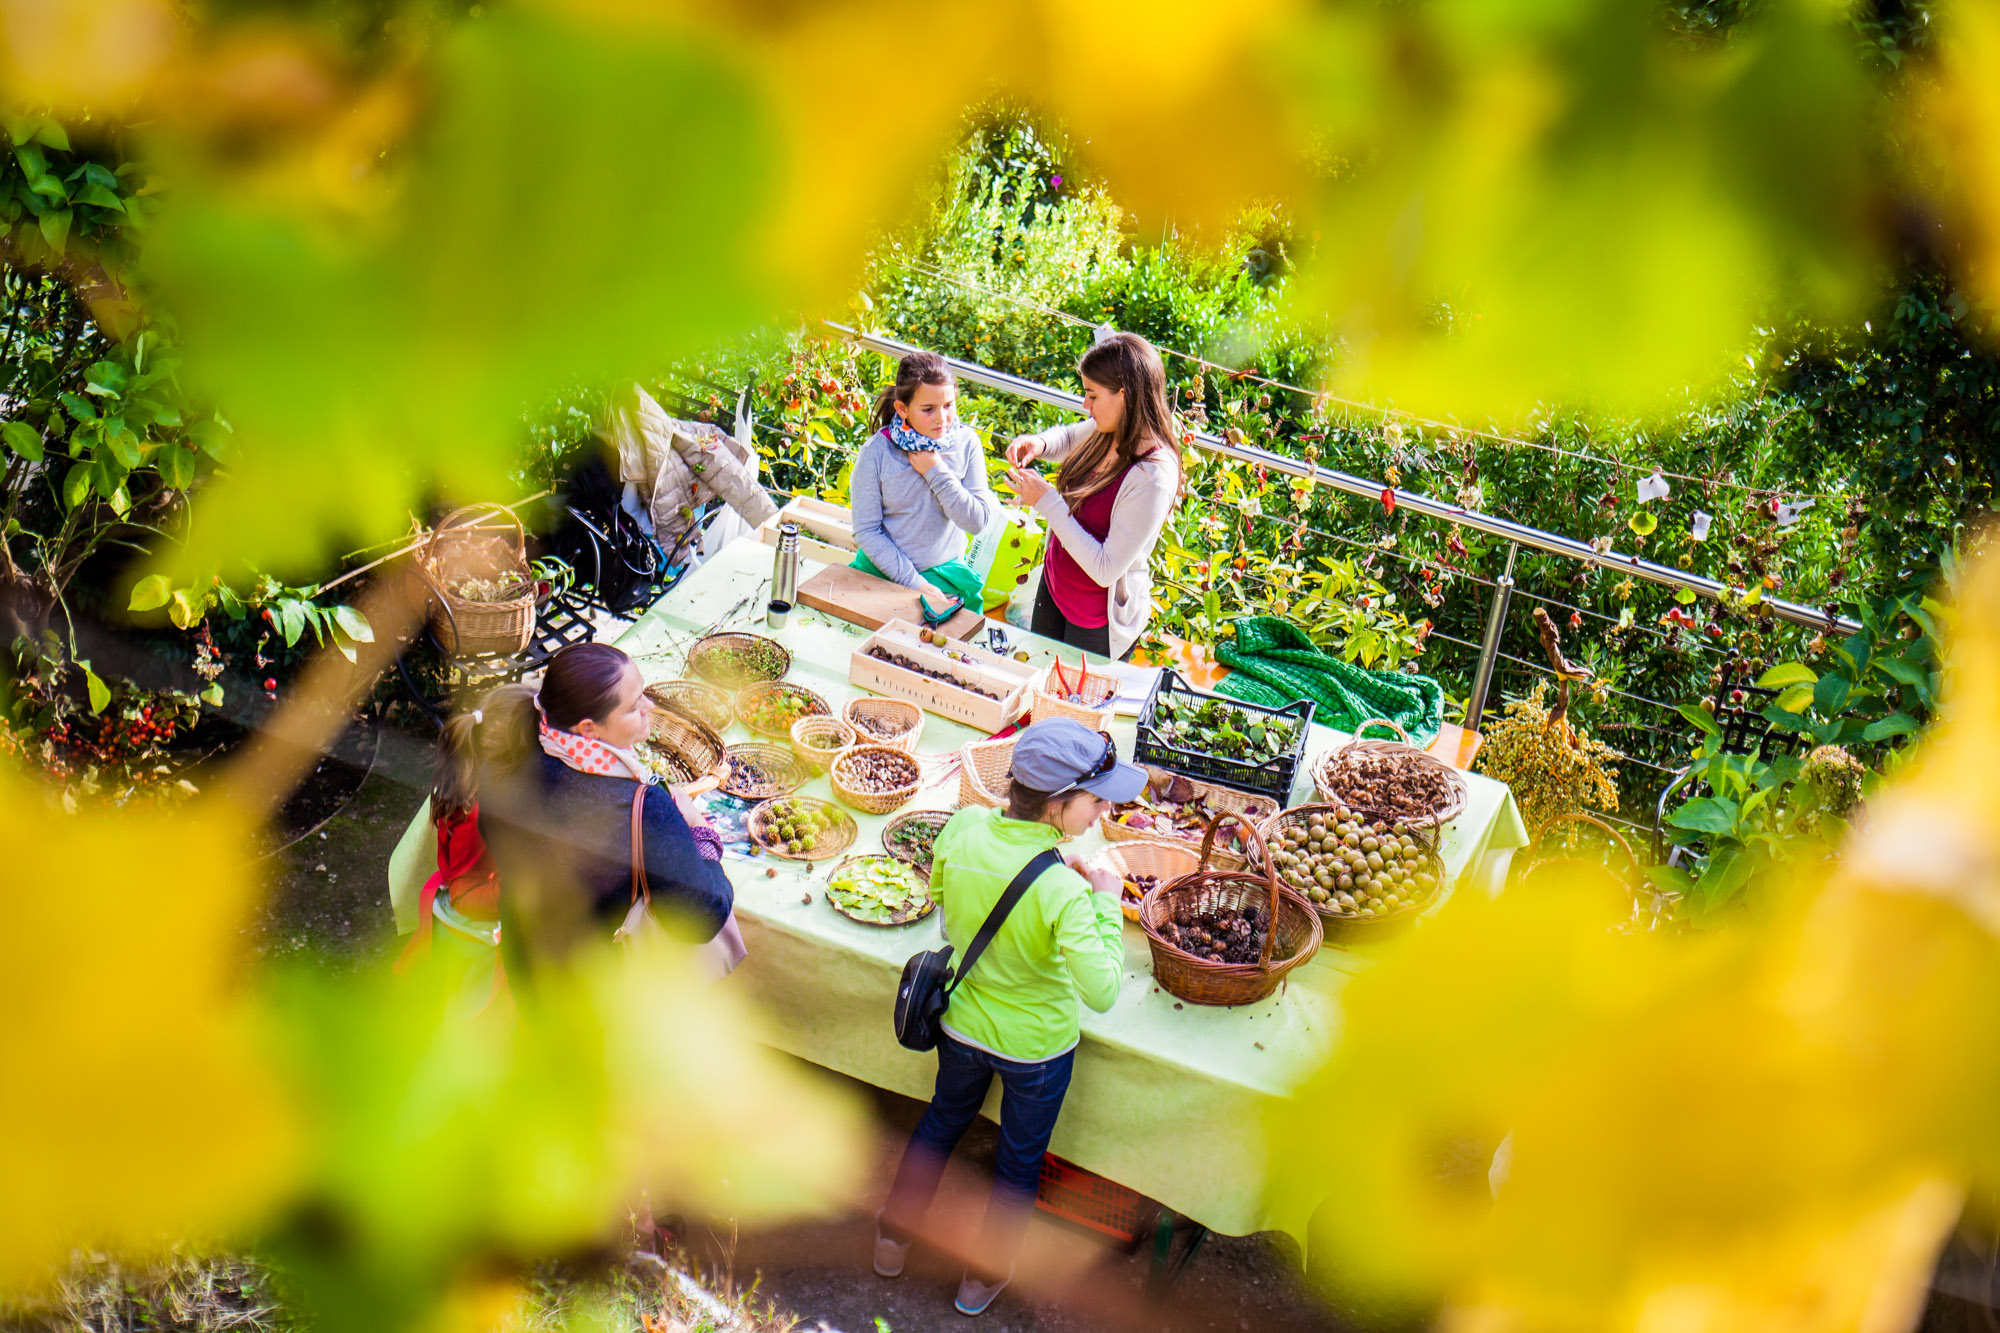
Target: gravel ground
<point x="329" y="897"/>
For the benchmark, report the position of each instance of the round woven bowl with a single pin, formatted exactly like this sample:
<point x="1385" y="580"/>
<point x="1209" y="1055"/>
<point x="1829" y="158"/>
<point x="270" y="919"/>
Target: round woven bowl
<point x="688" y="743"/>
<point x="785" y="771"/>
<point x="829" y="844"/>
<point x="908" y="817"/>
<point x="896" y="722"/>
<point x="1357" y="799"/>
<point x="1291" y="931"/>
<point x="1050" y="699"/>
<point x="1342" y="925"/>
<point x="695" y="699"/>
<point x="841" y="777"/>
<point x="985" y="773"/>
<point x="703" y="663"/>
<point x="923" y="878"/>
<point x="1164" y="861"/>
<point x="817" y="739"/>
<point x="1253" y="809"/>
<point x="753" y="696"/>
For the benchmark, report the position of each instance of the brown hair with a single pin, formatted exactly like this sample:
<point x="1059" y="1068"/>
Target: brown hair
<point x="581" y="682"/>
<point x="1026" y="803"/>
<point x="1124" y="363"/>
<point x="912" y="372"/>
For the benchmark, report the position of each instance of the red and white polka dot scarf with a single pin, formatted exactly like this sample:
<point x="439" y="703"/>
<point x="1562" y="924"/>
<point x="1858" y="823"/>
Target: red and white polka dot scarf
<point x="593" y="756"/>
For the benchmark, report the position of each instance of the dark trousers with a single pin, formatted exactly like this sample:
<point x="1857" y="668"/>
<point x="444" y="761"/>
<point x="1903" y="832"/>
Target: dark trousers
<point x="1031" y="1097"/>
<point x="1049" y="622"/>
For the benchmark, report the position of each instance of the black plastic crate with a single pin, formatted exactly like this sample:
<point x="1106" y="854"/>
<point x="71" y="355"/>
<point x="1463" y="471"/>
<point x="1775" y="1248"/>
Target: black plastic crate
<point x="1271" y="778"/>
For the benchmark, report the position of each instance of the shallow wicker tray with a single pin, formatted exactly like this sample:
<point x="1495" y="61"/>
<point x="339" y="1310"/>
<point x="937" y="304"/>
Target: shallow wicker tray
<point x="1254" y="808"/>
<point x="710" y="705"/>
<point x="899" y="918"/>
<point x="985" y="773"/>
<point x="752" y="695"/>
<point x="1292" y="930"/>
<point x="885" y="712"/>
<point x="1165" y="861"/>
<point x="1358" y="800"/>
<point x="839" y="775"/>
<point x="1343" y="925"/>
<point x="784" y="768"/>
<point x="908" y="817"/>
<point x="829" y="844"/>
<point x="702" y="666"/>
<point x="816" y="739"/>
<point x="689" y="745"/>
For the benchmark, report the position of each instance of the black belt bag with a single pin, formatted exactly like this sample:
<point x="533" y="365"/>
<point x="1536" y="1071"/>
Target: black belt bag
<point x="928" y="981"/>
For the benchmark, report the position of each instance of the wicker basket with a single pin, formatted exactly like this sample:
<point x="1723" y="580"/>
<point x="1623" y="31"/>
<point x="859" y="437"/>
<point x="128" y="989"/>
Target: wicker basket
<point x="785" y="771"/>
<point x="830" y="843"/>
<point x="903" y="720"/>
<point x="1050" y="699"/>
<point x="467" y="544"/>
<point x="1340" y="925"/>
<point x="889" y="831"/>
<point x="986" y="773"/>
<point x="1358" y="801"/>
<point x="841" y="777"/>
<point x="754" y="696"/>
<point x="687" y="743"/>
<point x="1162" y="860"/>
<point x="695" y="699"/>
<point x="1537" y="861"/>
<point x="1252" y="809"/>
<point x="1291" y="929"/>
<point x="702" y="660"/>
<point x="817" y="739"/>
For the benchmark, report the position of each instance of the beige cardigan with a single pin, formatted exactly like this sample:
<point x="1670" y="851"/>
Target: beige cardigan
<point x="1121" y="561"/>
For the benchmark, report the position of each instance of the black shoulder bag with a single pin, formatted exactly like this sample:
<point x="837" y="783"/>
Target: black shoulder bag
<point x="928" y="981"/>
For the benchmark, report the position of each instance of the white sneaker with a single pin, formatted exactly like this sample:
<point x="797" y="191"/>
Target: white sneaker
<point x="974" y="1295"/>
<point x="889" y="1254"/>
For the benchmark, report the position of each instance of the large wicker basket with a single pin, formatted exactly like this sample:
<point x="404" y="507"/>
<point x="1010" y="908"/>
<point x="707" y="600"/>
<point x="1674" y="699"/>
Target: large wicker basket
<point x="1164" y="861"/>
<point x="841" y="777"/>
<point x="687" y="743"/>
<point x="471" y="544"/>
<point x="1096" y="693"/>
<point x="754" y="696"/>
<point x="784" y="772"/>
<point x="986" y="773"/>
<point x="708" y="660"/>
<point x="1337" y="924"/>
<point x="1252" y="809"/>
<point x="1540" y="861"/>
<point x="1331" y="792"/>
<point x="1291" y="929"/>
<point x="816" y="739"/>
<point x="876" y="721"/>
<point x="711" y="705"/>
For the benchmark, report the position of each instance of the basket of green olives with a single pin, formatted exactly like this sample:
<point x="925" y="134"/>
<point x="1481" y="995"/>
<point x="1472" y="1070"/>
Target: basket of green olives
<point x="1365" y="878"/>
<point x="803" y="828"/>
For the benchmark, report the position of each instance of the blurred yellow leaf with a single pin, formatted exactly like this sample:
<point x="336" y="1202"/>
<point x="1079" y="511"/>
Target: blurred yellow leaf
<point x="77" y="54"/>
<point x="1957" y="120"/>
<point x="138" y="1109"/>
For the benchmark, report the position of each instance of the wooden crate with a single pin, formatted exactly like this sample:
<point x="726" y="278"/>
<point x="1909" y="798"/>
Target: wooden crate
<point x="1012" y="680"/>
<point x="826" y="531"/>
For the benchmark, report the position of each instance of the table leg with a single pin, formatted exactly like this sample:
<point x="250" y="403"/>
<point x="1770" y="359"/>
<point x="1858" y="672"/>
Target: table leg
<point x="1167" y="1266"/>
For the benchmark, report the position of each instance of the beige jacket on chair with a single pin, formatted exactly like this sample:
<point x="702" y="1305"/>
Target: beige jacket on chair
<point x="679" y="466"/>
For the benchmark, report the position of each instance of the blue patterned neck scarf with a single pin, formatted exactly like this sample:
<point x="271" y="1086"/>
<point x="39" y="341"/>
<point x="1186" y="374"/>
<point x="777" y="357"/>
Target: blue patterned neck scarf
<point x="909" y="441"/>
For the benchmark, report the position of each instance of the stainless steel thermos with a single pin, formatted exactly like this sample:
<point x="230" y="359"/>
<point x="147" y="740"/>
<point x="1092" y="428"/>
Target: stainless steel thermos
<point x="784" y="576"/>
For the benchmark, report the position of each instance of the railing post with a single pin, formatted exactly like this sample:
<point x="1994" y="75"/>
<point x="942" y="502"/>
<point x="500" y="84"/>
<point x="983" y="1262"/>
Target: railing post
<point x="1489" y="647"/>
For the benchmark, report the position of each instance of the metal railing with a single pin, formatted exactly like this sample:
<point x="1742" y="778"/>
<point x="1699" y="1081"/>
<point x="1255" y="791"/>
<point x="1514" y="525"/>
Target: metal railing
<point x="1517" y="535"/>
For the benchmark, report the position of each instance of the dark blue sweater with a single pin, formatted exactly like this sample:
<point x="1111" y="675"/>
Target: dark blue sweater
<point x="562" y="841"/>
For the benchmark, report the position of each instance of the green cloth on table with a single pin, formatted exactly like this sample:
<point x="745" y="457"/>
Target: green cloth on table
<point x="954" y="576"/>
<point x="1272" y="663"/>
<point x="1061" y="941"/>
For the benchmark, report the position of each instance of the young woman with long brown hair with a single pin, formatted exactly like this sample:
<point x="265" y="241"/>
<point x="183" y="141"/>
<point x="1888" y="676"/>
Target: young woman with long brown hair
<point x="1119" y="475"/>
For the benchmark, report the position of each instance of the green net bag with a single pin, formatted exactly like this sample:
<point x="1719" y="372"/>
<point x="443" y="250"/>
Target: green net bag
<point x="1272" y="662"/>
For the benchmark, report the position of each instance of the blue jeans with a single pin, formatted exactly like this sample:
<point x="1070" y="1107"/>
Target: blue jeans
<point x="1031" y="1097"/>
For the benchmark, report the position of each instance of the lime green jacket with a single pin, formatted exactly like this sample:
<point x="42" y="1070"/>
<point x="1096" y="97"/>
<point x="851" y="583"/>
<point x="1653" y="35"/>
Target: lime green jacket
<point x="1060" y="942"/>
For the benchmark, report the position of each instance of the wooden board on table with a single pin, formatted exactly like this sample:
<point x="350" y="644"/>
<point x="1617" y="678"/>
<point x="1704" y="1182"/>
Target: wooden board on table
<point x="862" y="599"/>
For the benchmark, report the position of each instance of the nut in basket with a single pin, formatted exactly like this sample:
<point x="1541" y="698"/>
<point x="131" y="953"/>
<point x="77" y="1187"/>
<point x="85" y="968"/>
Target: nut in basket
<point x="876" y="779"/>
<point x="1360" y="875"/>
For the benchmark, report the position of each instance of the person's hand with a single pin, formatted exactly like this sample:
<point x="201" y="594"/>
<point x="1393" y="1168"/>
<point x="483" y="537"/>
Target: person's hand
<point x="925" y="588"/>
<point x="1028" y="485"/>
<point x="1102" y="878"/>
<point x="695" y="816"/>
<point x="1024" y="450"/>
<point x="923" y="462"/>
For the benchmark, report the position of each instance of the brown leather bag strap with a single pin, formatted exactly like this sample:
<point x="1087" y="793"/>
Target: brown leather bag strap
<point x="641" y="890"/>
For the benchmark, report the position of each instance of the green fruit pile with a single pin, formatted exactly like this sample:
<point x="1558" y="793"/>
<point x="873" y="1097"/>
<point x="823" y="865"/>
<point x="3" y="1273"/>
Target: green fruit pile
<point x="795" y="825"/>
<point x="1352" y="866"/>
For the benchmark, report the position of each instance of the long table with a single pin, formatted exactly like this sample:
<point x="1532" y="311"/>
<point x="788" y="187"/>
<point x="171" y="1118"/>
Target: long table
<point x="1168" y="1098"/>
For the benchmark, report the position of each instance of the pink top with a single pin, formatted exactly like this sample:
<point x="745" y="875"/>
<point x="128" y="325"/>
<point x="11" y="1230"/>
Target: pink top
<point x="1084" y="601"/>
